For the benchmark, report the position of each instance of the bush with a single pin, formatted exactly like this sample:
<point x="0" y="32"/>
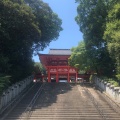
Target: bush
<point x="118" y="77"/>
<point x="4" y="82"/>
<point x="113" y="82"/>
<point x="116" y="84"/>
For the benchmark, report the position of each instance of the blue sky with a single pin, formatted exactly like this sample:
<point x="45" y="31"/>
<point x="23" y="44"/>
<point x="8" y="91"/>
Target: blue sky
<point x="70" y="36"/>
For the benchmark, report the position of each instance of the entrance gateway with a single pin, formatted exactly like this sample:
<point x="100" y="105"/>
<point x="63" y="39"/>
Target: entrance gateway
<point x="56" y="64"/>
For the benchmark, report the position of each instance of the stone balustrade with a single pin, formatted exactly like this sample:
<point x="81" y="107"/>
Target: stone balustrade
<point x="113" y="92"/>
<point x="14" y="91"/>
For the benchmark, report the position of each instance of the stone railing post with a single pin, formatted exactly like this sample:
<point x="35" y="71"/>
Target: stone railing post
<point x="110" y="89"/>
<point x="14" y="91"/>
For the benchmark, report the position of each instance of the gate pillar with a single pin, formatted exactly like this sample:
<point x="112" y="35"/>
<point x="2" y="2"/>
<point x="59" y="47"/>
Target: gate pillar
<point x="68" y="75"/>
<point x="57" y="79"/>
<point x="49" y="77"/>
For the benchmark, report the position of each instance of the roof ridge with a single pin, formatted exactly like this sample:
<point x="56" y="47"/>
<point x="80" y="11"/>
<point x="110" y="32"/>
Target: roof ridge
<point x="58" y="49"/>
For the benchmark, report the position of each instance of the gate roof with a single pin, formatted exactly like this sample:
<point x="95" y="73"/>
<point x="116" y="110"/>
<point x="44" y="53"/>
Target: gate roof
<point x="60" y="52"/>
<point x="54" y="54"/>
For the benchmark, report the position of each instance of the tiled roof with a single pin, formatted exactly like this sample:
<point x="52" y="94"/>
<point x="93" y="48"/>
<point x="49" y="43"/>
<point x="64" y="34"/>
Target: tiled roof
<point x="60" y="51"/>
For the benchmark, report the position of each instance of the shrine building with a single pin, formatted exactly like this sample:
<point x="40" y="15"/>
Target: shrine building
<point x="56" y="64"/>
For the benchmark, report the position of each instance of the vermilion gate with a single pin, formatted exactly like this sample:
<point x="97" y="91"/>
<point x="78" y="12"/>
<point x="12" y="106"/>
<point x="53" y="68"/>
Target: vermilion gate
<point x="56" y="64"/>
<point x="58" y="71"/>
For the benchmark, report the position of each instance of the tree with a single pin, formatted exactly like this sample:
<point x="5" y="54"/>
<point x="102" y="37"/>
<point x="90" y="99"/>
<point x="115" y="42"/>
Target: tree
<point x="91" y="60"/>
<point x="25" y="26"/>
<point x="91" y="19"/>
<point x="48" y="22"/>
<point x="38" y="68"/>
<point x="112" y="34"/>
<point x="17" y="29"/>
<point x="78" y="57"/>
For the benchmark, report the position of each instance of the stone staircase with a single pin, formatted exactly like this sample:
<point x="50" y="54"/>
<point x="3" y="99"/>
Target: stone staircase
<point x="18" y="112"/>
<point x="63" y="101"/>
<point x="109" y="109"/>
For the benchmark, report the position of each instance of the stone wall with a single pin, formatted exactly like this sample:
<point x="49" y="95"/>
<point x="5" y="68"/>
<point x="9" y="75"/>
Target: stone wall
<point x="13" y="91"/>
<point x="113" y="92"/>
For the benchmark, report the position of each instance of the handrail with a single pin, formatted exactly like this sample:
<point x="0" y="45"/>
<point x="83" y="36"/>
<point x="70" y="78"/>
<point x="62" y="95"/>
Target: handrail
<point x="111" y="102"/>
<point x="30" y="106"/>
<point x="16" y="101"/>
<point x="96" y="104"/>
<point x="10" y="94"/>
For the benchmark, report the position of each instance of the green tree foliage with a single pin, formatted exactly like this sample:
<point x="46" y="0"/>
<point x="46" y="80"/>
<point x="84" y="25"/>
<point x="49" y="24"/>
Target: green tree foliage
<point x="94" y="60"/>
<point x="48" y="22"/>
<point x="91" y="19"/>
<point x="16" y="28"/>
<point x="78" y="57"/>
<point x="4" y="82"/>
<point x="25" y="26"/>
<point x="112" y="34"/>
<point x="4" y="65"/>
<point x="38" y="68"/>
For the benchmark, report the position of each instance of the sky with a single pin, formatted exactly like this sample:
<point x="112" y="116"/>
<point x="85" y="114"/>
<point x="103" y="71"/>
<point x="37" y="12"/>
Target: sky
<point x="70" y="36"/>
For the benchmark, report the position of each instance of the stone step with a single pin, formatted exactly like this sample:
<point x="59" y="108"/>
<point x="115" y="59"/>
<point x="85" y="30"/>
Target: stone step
<point x="83" y="117"/>
<point x="63" y="112"/>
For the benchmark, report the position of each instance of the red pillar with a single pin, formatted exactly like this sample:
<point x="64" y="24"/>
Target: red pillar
<point x="68" y="74"/>
<point x="57" y="75"/>
<point x="49" y="79"/>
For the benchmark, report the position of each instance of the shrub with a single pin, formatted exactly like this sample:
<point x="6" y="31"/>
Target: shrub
<point x="4" y="82"/>
<point x="113" y="82"/>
